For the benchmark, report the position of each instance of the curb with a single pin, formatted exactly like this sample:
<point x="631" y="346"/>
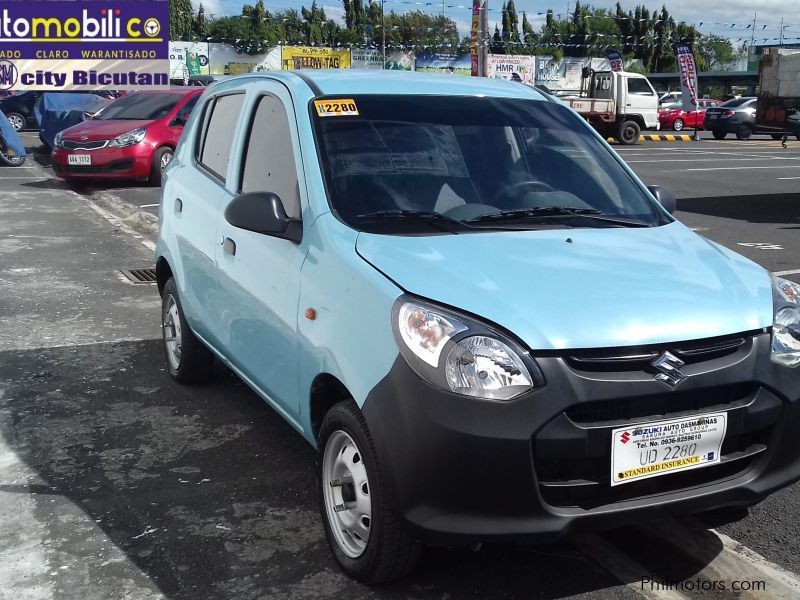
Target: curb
<point x="660" y="138"/>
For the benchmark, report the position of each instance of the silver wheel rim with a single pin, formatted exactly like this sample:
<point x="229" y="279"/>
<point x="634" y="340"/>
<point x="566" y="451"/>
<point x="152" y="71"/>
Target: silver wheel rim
<point x="16" y="122"/>
<point x="165" y="158"/>
<point x="346" y="494"/>
<point x="172" y="333"/>
<point x="678" y="125"/>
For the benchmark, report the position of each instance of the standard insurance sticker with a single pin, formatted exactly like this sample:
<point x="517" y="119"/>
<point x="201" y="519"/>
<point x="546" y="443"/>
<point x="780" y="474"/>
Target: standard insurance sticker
<point x="652" y="449"/>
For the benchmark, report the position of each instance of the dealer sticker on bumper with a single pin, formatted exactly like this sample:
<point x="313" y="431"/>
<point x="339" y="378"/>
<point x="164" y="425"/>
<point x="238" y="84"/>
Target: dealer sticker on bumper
<point x="652" y="449"/>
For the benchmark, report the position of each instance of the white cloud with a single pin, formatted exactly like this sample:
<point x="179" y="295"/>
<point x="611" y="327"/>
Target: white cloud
<point x="211" y="7"/>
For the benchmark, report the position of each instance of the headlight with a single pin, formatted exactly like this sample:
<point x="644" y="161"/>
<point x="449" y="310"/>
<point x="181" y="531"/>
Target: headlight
<point x="478" y="360"/>
<point x="57" y="141"/>
<point x="129" y="139"/>
<point x="786" y="323"/>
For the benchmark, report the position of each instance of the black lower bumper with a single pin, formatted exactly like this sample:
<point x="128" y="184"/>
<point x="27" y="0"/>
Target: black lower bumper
<point x="461" y="470"/>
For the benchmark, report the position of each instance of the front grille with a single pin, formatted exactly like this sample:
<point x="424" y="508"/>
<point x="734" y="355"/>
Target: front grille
<point x="572" y="453"/>
<point x="83" y="145"/>
<point x="117" y="166"/>
<point x="640" y="358"/>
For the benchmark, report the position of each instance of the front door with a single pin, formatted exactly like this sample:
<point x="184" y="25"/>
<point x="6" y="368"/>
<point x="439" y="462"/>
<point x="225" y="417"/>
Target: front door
<point x="259" y="275"/>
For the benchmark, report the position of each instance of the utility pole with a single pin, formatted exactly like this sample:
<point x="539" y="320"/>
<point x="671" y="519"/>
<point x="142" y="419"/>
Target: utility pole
<point x="780" y="43"/>
<point x="753" y="37"/>
<point x="383" y="35"/>
<point x="483" y="38"/>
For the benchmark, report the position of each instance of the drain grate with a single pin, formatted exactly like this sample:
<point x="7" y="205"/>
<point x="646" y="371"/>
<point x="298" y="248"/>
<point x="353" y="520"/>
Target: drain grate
<point x="139" y="275"/>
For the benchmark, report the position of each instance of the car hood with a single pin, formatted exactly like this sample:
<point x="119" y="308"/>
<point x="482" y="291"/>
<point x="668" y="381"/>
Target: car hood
<point x="96" y="129"/>
<point x="583" y="288"/>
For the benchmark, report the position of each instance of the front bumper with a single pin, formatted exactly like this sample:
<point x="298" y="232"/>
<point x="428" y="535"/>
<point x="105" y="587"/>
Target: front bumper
<point x="132" y="162"/>
<point x="461" y="470"/>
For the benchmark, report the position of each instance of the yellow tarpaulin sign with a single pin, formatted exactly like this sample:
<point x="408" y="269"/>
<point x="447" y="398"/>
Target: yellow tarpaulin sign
<point x="310" y="57"/>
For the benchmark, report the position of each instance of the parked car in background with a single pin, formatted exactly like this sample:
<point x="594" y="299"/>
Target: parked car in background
<point x="672" y="116"/>
<point x="18" y="109"/>
<point x="134" y="137"/>
<point x="736" y="116"/>
<point x="669" y="98"/>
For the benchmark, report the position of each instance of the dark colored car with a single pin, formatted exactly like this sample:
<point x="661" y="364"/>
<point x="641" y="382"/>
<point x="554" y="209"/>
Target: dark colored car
<point x="134" y="137"/>
<point x="736" y="116"/>
<point x="18" y="109"/>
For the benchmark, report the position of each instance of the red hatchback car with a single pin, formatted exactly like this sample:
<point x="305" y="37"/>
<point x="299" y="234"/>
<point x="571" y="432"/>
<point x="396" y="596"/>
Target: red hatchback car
<point x="134" y="137"/>
<point x="674" y="117"/>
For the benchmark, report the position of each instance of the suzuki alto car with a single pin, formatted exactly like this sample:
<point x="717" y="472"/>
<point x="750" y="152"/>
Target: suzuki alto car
<point x="134" y="137"/>
<point x="489" y="328"/>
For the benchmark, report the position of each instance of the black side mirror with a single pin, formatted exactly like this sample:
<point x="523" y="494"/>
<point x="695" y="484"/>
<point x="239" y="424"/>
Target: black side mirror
<point x="263" y="212"/>
<point x="178" y="121"/>
<point x="665" y="197"/>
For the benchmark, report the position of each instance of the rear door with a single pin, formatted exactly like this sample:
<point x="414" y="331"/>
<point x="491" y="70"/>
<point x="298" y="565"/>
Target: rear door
<point x="196" y="188"/>
<point x="259" y="275"/>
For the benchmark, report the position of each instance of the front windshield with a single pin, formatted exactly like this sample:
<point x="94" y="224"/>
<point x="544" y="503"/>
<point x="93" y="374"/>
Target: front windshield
<point x="140" y="106"/>
<point x="473" y="161"/>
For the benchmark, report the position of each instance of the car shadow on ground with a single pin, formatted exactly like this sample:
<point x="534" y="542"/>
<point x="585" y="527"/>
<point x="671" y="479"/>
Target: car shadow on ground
<point x="759" y="208"/>
<point x="210" y="494"/>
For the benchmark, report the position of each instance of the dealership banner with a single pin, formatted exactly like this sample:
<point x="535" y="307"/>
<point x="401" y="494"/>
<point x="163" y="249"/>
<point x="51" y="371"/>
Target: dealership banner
<point x="566" y="73"/>
<point x="436" y="62"/>
<point x="688" y="76"/>
<point x="224" y="59"/>
<point x="311" y="57"/>
<point x="188" y="58"/>
<point x="372" y="58"/>
<point x="84" y="45"/>
<point x="512" y="67"/>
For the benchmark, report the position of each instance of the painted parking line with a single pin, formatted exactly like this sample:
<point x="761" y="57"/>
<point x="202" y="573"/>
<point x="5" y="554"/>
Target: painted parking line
<point x="782" y="273"/>
<point x="737" y="168"/>
<point x="787" y="178"/>
<point x="147" y="205"/>
<point x="715" y="157"/>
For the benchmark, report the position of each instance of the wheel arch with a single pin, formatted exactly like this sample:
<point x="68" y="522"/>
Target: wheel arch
<point x="163" y="273"/>
<point x="326" y="391"/>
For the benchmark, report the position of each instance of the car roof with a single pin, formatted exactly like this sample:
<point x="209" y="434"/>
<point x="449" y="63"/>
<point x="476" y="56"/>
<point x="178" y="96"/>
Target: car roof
<point x="172" y="90"/>
<point x="339" y="82"/>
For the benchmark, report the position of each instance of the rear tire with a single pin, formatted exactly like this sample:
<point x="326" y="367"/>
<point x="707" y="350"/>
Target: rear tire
<point x="346" y="451"/>
<point x="776" y="136"/>
<point x="188" y="360"/>
<point x="11" y="161"/>
<point x="18" y="122"/>
<point x="744" y="132"/>
<point x="161" y="159"/>
<point x="719" y="134"/>
<point x="678" y="125"/>
<point x="628" y="133"/>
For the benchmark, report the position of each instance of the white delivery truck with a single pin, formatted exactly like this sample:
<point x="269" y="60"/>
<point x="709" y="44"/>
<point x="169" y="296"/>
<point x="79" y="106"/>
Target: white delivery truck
<point x="618" y="104"/>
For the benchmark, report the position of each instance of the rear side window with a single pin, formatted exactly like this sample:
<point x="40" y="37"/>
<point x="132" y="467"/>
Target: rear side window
<point x="269" y="159"/>
<point x="215" y="145"/>
<point x="186" y="109"/>
<point x="639" y="87"/>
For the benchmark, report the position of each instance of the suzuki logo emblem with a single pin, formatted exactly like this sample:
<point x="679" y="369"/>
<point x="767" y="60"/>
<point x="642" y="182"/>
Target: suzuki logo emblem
<point x="669" y="365"/>
<point x="84" y="138"/>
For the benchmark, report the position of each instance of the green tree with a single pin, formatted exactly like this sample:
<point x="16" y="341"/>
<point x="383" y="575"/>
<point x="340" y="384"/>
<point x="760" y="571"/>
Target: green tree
<point x="717" y="52"/>
<point x="180" y="20"/>
<point x="200" y="24"/>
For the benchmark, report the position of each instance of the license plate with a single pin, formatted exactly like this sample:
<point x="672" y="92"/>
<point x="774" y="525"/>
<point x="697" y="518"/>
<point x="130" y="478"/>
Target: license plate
<point x="651" y="449"/>
<point x="79" y="159"/>
<point x="712" y="116"/>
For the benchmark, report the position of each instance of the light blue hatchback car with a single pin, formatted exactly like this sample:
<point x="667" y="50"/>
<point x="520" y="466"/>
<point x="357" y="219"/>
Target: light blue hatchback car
<point x="487" y="325"/>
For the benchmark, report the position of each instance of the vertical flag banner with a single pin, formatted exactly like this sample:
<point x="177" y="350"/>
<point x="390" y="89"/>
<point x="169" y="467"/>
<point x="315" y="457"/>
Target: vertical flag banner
<point x="615" y="59"/>
<point x="473" y="44"/>
<point x="688" y="76"/>
<point x="52" y="45"/>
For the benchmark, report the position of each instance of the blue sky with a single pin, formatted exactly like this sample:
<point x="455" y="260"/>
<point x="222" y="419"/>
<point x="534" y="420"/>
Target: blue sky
<point x="729" y="18"/>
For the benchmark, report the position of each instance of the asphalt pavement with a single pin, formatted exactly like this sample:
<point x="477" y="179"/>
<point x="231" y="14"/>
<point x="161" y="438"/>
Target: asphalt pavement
<point x="115" y="482"/>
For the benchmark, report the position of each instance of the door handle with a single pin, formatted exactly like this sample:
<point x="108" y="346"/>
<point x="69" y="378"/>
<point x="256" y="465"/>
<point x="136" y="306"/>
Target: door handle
<point x="229" y="246"/>
<point x="178" y="205"/>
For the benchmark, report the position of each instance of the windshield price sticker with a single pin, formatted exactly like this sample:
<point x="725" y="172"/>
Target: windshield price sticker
<point x="344" y="107"/>
<point x="662" y="447"/>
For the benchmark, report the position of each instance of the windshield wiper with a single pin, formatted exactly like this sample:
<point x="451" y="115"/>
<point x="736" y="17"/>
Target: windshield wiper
<point x="434" y="219"/>
<point x="546" y="212"/>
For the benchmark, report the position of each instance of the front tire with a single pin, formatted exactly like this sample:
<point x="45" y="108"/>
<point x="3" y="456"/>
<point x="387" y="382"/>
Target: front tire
<point x="628" y="133"/>
<point x="161" y="159"/>
<point x="364" y="534"/>
<point x="678" y="125"/>
<point x="188" y="360"/>
<point x="11" y="161"/>
<point x="719" y="134"/>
